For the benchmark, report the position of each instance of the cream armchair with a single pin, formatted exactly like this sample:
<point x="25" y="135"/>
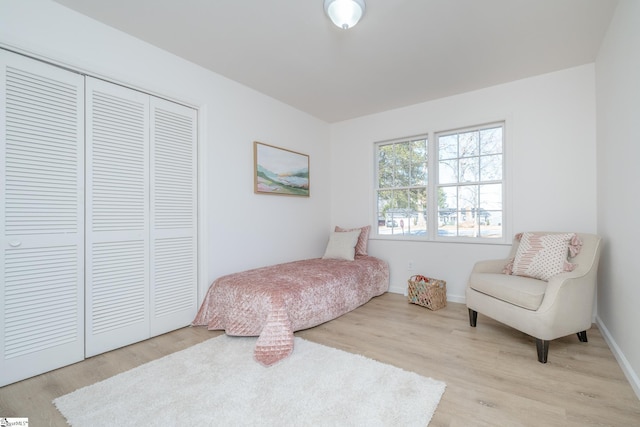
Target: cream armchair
<point x="544" y="310"/>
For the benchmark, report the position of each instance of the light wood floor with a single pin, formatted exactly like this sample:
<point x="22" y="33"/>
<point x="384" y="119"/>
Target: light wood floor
<point x="492" y="373"/>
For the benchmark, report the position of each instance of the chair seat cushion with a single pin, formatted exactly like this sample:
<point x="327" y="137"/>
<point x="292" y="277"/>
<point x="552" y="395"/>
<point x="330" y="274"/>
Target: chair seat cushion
<point x="524" y="292"/>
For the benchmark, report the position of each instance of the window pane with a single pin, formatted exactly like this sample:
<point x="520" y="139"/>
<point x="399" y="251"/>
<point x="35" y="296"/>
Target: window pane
<point x="403" y="174"/>
<point x="401" y="198"/>
<point x="402" y="152"/>
<point x="470" y="169"/>
<point x="396" y="218"/>
<point x="448" y="147"/>
<point x="490" y="210"/>
<point x="448" y="171"/>
<point x="385" y="154"/>
<point x="385" y="166"/>
<point x="468" y="197"/>
<point x="417" y="223"/>
<point x="385" y="203"/>
<point x="385" y="176"/>
<point x="491" y="168"/>
<point x="491" y="226"/>
<point x="491" y="197"/>
<point x="385" y="200"/>
<point x="447" y="211"/>
<point x="450" y="197"/>
<point x="419" y="149"/>
<point x="491" y="141"/>
<point x="418" y="174"/>
<point x="469" y="144"/>
<point x="399" y="210"/>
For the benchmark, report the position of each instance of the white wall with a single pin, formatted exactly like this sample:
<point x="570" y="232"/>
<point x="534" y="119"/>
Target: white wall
<point x="618" y="148"/>
<point x="551" y="166"/>
<point x="243" y="230"/>
<point x="551" y="156"/>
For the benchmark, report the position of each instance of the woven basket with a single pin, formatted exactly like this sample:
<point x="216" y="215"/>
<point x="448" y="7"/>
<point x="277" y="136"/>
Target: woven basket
<point x="431" y="293"/>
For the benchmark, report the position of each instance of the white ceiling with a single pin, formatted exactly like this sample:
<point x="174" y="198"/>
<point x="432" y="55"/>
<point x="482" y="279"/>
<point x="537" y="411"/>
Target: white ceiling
<point x="403" y="52"/>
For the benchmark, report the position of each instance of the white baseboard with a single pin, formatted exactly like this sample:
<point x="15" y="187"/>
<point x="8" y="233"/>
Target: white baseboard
<point x="403" y="291"/>
<point x="457" y="298"/>
<point x="631" y="375"/>
<point x="398" y="290"/>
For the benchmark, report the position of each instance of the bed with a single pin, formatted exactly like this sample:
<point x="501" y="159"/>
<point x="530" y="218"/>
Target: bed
<point x="274" y="301"/>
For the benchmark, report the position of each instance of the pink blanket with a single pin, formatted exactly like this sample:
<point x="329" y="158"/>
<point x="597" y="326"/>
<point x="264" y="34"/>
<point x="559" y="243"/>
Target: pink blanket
<point x="273" y="302"/>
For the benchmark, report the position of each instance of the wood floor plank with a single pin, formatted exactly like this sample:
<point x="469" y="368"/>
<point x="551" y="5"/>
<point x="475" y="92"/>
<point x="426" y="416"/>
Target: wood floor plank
<point x="492" y="373"/>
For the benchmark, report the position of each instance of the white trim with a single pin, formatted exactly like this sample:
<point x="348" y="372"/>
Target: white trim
<point x="627" y="369"/>
<point x="203" y="248"/>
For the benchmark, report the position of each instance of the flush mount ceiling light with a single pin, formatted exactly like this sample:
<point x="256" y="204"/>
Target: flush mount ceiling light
<point x="344" y="13"/>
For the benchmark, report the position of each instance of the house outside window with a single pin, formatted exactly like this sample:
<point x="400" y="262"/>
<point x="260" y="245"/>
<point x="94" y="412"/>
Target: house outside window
<point x="456" y="194"/>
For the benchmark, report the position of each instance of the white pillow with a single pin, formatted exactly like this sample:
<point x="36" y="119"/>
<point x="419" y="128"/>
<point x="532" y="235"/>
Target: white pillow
<point x="342" y="245"/>
<point x="542" y="256"/>
<point x="363" y="240"/>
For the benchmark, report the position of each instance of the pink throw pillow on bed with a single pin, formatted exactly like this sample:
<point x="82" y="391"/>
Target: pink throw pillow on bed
<point x="363" y="239"/>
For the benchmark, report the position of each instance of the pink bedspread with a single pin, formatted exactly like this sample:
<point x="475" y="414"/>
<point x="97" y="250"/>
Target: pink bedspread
<point x="272" y="302"/>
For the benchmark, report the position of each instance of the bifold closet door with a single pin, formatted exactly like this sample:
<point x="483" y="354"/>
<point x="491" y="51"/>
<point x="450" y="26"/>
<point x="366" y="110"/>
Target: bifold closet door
<point x="173" y="216"/>
<point x="117" y="216"/>
<point x="141" y="234"/>
<point x="41" y="217"/>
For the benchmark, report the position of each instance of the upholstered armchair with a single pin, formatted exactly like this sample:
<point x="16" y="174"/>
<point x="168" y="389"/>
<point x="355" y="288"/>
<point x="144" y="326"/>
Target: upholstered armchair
<point x="553" y="305"/>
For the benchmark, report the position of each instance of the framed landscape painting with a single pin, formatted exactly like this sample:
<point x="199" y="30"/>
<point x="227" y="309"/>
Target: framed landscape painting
<point x="280" y="171"/>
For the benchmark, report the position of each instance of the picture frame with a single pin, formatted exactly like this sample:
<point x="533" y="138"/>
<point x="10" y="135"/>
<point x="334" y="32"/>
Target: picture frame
<point x="279" y="171"/>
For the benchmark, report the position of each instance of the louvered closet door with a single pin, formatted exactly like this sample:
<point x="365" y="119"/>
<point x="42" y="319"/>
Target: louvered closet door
<point x="173" y="216"/>
<point x="41" y="217"/>
<point x="117" y="216"/>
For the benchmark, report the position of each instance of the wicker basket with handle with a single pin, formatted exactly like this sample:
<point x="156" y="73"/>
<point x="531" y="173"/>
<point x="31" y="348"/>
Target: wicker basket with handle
<point x="427" y="292"/>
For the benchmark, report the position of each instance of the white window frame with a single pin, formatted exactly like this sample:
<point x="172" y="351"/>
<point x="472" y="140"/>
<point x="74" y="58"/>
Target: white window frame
<point x="433" y="185"/>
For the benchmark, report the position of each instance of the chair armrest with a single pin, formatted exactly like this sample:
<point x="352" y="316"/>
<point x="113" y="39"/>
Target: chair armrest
<point x="569" y="300"/>
<point x="490" y="266"/>
<point x="571" y="281"/>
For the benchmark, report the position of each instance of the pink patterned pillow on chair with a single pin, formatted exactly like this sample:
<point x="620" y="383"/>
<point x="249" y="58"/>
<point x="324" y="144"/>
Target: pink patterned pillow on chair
<point x="542" y="255"/>
<point x="363" y="239"/>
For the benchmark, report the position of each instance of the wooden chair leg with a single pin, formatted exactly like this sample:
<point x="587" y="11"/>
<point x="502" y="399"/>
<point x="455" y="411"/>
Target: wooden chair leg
<point x="582" y="336"/>
<point x="473" y="317"/>
<point x="543" y="350"/>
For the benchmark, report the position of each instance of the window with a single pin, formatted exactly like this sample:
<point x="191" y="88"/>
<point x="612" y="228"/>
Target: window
<point x="402" y="187"/>
<point x="470" y="182"/>
<point x="463" y="199"/>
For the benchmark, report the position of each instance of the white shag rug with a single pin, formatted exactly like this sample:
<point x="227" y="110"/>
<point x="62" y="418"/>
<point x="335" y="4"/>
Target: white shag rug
<point x="217" y="383"/>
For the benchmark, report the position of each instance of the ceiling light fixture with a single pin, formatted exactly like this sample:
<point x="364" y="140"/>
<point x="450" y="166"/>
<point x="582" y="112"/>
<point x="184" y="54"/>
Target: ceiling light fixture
<point x="344" y="13"/>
